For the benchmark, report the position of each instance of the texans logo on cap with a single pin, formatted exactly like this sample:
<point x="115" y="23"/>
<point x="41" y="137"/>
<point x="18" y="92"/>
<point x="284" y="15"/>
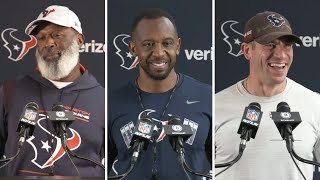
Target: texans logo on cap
<point x="276" y="21"/>
<point x="47" y="12"/>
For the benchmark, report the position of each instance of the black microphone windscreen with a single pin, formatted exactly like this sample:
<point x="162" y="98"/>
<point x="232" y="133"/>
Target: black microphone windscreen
<point x="28" y="118"/>
<point x="174" y="120"/>
<point x="31" y="111"/>
<point x="283" y="107"/>
<point x="32" y="105"/>
<point x="255" y="105"/>
<point x="58" y="107"/>
<point x="284" y="118"/>
<point x="251" y="119"/>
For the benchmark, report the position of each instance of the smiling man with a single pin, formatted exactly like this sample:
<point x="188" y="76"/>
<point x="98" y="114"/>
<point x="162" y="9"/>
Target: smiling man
<point x="268" y="46"/>
<point x="59" y="78"/>
<point x="160" y="92"/>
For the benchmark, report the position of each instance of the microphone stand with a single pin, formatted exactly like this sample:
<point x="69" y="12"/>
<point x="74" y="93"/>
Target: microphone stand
<point x="185" y="165"/>
<point x="245" y="136"/>
<point x="137" y="147"/>
<point x="62" y="132"/>
<point x="289" y="143"/>
<point x="287" y="130"/>
<point x="24" y="134"/>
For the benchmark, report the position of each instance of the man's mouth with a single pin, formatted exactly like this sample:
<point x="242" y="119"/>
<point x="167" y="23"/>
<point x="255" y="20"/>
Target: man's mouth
<point x="276" y="65"/>
<point x="159" y="64"/>
<point x="51" y="56"/>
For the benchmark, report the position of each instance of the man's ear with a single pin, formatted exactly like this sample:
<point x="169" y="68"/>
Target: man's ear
<point x="246" y="50"/>
<point x="80" y="39"/>
<point x="132" y="48"/>
<point x="178" y="46"/>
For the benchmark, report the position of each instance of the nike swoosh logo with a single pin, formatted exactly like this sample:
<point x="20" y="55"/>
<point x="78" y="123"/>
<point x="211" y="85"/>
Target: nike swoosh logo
<point x="192" y="102"/>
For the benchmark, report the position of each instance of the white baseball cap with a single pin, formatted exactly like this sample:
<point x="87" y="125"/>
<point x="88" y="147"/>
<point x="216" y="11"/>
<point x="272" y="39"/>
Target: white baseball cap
<point x="59" y="15"/>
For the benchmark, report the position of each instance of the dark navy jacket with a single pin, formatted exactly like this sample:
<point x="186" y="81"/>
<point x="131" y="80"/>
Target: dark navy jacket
<point x="191" y="102"/>
<point x="43" y="149"/>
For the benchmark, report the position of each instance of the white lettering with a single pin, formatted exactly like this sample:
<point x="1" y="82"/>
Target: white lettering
<point x="310" y="41"/>
<point x="250" y="122"/>
<point x="189" y="55"/>
<point x="198" y="54"/>
<point x="143" y="135"/>
<point x="93" y="47"/>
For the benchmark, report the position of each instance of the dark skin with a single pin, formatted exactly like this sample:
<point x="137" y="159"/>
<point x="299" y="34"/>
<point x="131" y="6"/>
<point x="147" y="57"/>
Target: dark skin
<point x="52" y="40"/>
<point x="156" y="44"/>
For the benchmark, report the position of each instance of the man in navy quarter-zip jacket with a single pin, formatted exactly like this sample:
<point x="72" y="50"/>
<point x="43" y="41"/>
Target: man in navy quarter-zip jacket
<point x="159" y="91"/>
<point x="59" y="77"/>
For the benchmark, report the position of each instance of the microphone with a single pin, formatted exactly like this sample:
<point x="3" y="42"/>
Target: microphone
<point x="60" y="118"/>
<point x="141" y="137"/>
<point x="249" y="123"/>
<point x="248" y="129"/>
<point x="25" y="128"/>
<point x="142" y="134"/>
<point x="177" y="132"/>
<point x="27" y="122"/>
<point x="286" y="121"/>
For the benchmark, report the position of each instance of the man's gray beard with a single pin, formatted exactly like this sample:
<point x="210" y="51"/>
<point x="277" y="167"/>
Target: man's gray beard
<point x="55" y="70"/>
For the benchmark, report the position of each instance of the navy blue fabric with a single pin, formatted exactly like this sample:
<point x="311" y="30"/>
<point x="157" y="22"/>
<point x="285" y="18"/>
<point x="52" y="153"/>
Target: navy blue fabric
<point x="123" y="110"/>
<point x="89" y="125"/>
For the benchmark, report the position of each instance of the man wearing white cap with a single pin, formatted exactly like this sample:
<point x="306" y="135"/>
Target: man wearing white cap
<point x="59" y="79"/>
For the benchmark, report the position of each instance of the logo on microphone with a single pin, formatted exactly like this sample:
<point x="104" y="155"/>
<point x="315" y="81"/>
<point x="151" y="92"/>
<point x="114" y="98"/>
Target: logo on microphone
<point x="60" y="114"/>
<point x="252" y="115"/>
<point x="30" y="114"/>
<point x="177" y="128"/>
<point x="285" y="115"/>
<point x="144" y="127"/>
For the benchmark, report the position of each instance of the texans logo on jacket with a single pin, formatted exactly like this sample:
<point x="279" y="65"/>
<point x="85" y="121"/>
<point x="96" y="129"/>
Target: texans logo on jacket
<point x="47" y="146"/>
<point x="17" y="48"/>
<point x="128" y="61"/>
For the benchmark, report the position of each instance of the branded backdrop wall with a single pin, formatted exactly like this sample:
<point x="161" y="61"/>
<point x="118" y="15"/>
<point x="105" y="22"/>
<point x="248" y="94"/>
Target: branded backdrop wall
<point x="17" y="14"/>
<point x="194" y="22"/>
<point x="230" y="64"/>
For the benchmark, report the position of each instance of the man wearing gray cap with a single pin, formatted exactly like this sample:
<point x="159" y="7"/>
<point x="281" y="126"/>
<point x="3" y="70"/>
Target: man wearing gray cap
<point x="55" y="144"/>
<point x="268" y="47"/>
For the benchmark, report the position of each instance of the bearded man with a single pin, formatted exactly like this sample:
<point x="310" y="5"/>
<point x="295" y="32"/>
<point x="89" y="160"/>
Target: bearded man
<point x="59" y="79"/>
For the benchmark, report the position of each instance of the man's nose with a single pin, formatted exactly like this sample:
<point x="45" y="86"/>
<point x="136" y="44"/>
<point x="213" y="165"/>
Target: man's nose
<point x="281" y="50"/>
<point x="49" y="42"/>
<point x="158" y="50"/>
